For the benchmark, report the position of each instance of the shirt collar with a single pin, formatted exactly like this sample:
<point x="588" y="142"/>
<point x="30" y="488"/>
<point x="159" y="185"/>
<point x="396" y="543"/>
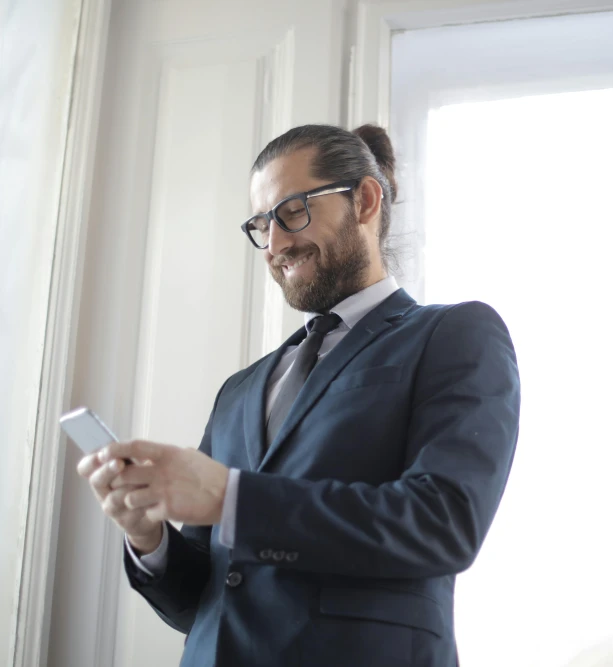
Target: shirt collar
<point x="352" y="309"/>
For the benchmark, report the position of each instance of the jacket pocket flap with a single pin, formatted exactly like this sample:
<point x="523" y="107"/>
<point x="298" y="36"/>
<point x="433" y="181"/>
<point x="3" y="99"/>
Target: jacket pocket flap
<point x="400" y="608"/>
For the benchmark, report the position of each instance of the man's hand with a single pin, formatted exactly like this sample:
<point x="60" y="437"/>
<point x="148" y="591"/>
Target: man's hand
<point x="179" y="484"/>
<point x="144" y="534"/>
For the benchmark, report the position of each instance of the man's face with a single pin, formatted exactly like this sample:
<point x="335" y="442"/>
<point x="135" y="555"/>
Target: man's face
<point x="328" y="261"/>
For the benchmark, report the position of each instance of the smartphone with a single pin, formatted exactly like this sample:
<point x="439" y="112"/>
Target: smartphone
<point x="87" y="430"/>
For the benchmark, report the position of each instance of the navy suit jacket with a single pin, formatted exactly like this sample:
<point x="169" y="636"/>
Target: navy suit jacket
<point x="378" y="489"/>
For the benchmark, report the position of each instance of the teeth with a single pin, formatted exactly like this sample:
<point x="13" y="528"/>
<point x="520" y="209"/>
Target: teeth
<point x="300" y="263"/>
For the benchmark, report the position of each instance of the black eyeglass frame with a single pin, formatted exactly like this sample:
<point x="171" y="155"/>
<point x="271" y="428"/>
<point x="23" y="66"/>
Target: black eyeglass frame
<point x="331" y="188"/>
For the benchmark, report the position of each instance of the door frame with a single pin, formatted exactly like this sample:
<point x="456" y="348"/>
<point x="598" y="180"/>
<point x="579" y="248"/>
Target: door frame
<point x="32" y="621"/>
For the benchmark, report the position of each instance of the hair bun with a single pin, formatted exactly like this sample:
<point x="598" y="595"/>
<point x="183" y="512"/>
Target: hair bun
<point x="377" y="139"/>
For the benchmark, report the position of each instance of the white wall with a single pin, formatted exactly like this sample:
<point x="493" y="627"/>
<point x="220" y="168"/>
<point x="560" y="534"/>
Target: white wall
<point x="173" y="298"/>
<point x="37" y="47"/>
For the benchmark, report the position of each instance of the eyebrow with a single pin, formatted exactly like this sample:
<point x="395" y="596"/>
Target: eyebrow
<point x="293" y="194"/>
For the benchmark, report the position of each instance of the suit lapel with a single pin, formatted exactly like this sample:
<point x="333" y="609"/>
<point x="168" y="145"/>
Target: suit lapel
<point x="255" y="402"/>
<point x="366" y="331"/>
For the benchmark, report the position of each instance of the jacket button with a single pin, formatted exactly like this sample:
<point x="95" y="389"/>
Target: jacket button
<point x="234" y="579"/>
<point x="291" y="556"/>
<point x="265" y="554"/>
<point x="278" y="555"/>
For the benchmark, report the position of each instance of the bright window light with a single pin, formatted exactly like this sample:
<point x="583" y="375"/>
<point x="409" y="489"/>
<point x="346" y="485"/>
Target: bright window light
<point x="519" y="214"/>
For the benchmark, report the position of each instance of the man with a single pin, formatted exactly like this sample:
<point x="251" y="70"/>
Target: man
<point x="344" y="480"/>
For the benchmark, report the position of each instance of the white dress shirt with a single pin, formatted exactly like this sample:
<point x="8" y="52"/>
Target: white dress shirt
<point x="351" y="311"/>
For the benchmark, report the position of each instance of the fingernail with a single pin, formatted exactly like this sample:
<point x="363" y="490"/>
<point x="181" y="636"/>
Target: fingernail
<point x="114" y="465"/>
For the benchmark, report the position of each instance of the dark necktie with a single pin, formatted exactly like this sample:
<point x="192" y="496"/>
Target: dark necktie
<point x="303" y="364"/>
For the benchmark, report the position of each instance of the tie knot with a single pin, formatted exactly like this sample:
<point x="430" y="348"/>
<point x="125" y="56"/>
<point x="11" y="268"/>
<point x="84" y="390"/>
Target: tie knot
<point x="326" y="323"/>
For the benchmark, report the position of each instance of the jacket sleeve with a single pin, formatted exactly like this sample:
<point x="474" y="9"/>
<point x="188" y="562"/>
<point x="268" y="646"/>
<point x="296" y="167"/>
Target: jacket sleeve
<point x="432" y="521"/>
<point x="174" y="595"/>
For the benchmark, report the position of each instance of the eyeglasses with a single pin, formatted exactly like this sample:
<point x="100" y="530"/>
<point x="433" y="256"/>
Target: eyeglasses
<point x="292" y="214"/>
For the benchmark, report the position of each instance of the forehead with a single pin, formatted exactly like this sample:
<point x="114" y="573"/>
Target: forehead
<point x="282" y="177"/>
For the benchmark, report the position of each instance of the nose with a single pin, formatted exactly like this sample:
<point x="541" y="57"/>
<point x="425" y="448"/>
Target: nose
<point x="279" y="241"/>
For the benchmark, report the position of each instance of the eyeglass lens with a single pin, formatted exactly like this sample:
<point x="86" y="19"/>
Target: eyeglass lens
<point x="292" y="213"/>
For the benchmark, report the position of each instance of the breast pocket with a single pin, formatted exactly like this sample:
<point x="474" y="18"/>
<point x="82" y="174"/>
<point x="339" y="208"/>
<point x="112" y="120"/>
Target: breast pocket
<point x="366" y="377"/>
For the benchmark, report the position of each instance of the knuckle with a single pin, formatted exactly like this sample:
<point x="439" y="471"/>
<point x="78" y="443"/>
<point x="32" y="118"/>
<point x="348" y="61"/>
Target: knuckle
<point x="129" y="500"/>
<point x="107" y="508"/>
<point x="110" y="505"/>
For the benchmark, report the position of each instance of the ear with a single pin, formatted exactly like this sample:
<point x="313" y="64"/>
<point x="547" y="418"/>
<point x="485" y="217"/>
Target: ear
<point x="368" y="201"/>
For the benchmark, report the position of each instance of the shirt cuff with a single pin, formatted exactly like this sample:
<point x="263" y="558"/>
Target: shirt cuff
<point x="154" y="564"/>
<point x="227" y="528"/>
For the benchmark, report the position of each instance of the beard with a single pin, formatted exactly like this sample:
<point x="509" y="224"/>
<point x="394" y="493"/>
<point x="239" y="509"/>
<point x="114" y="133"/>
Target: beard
<point x="342" y="274"/>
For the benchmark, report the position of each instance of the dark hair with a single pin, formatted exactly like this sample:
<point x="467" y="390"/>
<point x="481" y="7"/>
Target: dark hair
<point x="367" y="151"/>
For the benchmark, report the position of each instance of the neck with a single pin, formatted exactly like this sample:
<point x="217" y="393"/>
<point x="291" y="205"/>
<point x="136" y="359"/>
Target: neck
<point x="375" y="275"/>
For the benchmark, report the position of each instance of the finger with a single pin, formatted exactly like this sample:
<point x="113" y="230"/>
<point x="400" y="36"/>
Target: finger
<point x="101" y="479"/>
<point x="142" y="498"/>
<point x="136" y="449"/>
<point x="139" y="475"/>
<point x="88" y="464"/>
<point x="114" y="504"/>
<point x="131" y="520"/>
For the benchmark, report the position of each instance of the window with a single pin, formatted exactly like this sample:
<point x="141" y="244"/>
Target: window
<point x="508" y="182"/>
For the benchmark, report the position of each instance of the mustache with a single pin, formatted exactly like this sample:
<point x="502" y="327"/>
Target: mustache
<point x="280" y="260"/>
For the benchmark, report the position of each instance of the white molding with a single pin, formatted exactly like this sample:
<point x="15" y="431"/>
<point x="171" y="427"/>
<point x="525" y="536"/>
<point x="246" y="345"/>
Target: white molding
<point x="436" y="13"/>
<point x="372" y="66"/>
<point x="266" y="303"/>
<point x="152" y="273"/>
<point x="135" y="418"/>
<point x="255" y="275"/>
<point x="37" y="577"/>
<point x="351" y="64"/>
<point x="377" y="21"/>
<point x="281" y="63"/>
<point x="384" y="75"/>
<point x="108" y="596"/>
<point x="283" y="59"/>
<point x="264" y="306"/>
